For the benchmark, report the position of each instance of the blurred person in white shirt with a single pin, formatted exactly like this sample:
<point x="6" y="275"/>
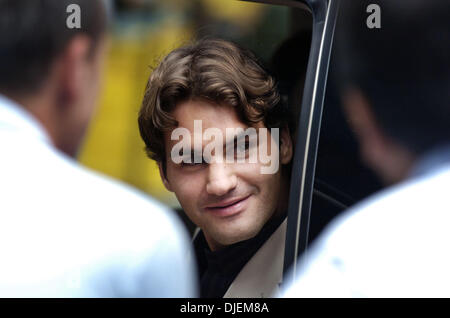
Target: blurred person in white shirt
<point x="67" y="231"/>
<point x="395" y="85"/>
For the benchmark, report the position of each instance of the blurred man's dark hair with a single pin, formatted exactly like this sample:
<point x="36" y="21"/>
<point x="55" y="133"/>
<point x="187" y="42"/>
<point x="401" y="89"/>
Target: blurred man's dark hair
<point x="50" y="63"/>
<point x="33" y="33"/>
<point x="402" y="68"/>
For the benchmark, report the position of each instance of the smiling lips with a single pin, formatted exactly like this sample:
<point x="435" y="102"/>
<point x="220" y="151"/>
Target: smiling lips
<point x="228" y="208"/>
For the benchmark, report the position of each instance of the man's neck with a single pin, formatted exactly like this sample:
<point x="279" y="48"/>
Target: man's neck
<point x="216" y="246"/>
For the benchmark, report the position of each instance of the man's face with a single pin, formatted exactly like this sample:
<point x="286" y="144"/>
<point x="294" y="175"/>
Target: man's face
<point x="230" y="202"/>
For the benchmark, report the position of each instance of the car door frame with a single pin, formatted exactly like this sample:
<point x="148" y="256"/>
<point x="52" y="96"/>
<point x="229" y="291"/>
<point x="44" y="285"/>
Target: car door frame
<point x="324" y="14"/>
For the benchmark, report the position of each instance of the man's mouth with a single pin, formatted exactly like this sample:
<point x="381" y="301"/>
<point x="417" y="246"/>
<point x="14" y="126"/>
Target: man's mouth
<point x="228" y="207"/>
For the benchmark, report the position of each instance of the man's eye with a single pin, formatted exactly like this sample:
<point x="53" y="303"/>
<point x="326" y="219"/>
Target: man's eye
<point x="190" y="164"/>
<point x="242" y="147"/>
<point x="185" y="163"/>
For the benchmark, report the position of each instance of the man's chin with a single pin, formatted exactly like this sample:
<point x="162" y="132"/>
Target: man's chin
<point x="226" y="239"/>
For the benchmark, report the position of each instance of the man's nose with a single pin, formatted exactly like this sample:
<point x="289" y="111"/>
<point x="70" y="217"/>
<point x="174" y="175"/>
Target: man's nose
<point x="221" y="179"/>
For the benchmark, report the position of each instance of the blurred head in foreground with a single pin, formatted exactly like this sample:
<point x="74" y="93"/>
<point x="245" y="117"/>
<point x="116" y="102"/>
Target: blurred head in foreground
<point x="394" y="72"/>
<point x="222" y="87"/>
<point x="50" y="62"/>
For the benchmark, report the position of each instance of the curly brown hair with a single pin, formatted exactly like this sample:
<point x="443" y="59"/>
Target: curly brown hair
<point x="212" y="69"/>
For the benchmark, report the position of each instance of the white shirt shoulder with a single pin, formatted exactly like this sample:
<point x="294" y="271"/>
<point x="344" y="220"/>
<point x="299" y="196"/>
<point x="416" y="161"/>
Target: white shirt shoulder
<point x="393" y="244"/>
<point x="69" y="232"/>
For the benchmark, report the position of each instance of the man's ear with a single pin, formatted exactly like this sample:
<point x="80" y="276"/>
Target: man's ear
<point x="74" y="68"/>
<point x="164" y="178"/>
<point x="286" y="149"/>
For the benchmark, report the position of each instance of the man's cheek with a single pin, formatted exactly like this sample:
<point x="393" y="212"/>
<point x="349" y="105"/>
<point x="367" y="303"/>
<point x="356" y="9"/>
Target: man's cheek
<point x="248" y="171"/>
<point x="188" y="199"/>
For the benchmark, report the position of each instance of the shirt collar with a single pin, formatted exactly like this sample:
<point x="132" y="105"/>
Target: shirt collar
<point x="232" y="258"/>
<point x="15" y="118"/>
